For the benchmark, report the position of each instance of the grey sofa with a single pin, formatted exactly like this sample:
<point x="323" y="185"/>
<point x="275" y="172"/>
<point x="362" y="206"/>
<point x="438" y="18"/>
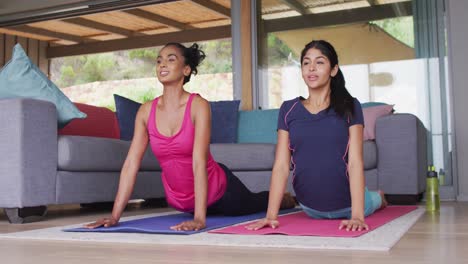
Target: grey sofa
<point x="40" y="168"/>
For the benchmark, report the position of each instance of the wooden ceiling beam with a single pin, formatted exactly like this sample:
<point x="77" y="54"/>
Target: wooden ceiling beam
<point x="372" y="2"/>
<point x="296" y="6"/>
<point x="51" y="34"/>
<point x="101" y="26"/>
<point x="224" y="11"/>
<point x="201" y="34"/>
<point x="157" y="18"/>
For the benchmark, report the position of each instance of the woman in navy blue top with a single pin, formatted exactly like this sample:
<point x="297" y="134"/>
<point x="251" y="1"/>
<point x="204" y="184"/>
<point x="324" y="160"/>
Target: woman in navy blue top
<point x="322" y="137"/>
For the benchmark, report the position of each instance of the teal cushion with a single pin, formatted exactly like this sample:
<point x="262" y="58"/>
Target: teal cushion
<point x="258" y="126"/>
<point x="372" y="104"/>
<point x="22" y="78"/>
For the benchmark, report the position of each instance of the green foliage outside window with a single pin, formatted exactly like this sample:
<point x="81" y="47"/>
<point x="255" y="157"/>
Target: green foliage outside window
<point x="279" y="53"/>
<point x="400" y="28"/>
<point x="149" y="55"/>
<point x="132" y="64"/>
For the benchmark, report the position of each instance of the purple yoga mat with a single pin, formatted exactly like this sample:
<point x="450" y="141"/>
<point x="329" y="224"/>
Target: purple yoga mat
<point x="161" y="224"/>
<point x="299" y="224"/>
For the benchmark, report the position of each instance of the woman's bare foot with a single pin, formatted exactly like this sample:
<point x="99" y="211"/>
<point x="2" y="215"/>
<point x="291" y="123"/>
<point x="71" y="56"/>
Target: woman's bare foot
<point x="384" y="201"/>
<point x="288" y="201"/>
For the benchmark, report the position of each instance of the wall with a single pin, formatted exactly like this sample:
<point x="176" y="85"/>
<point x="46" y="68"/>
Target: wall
<point x="458" y="63"/>
<point x="35" y="49"/>
<point x="355" y="44"/>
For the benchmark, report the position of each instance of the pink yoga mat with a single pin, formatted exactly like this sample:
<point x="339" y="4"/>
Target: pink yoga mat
<point x="299" y="224"/>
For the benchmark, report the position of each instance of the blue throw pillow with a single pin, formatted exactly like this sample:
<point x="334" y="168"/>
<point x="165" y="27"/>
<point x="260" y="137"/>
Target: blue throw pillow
<point x="126" y="111"/>
<point x="258" y="126"/>
<point x="224" y="115"/>
<point x="224" y="121"/>
<point x="20" y="77"/>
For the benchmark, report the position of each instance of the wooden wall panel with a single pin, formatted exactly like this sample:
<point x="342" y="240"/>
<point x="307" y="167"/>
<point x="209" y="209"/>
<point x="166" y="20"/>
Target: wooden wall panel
<point x="10" y="42"/>
<point x="2" y="50"/>
<point x="35" y="49"/>
<point x="23" y="42"/>
<point x="43" y="61"/>
<point x="246" y="60"/>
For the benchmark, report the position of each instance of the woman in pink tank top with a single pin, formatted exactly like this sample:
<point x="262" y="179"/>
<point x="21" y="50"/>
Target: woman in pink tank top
<point x="178" y="127"/>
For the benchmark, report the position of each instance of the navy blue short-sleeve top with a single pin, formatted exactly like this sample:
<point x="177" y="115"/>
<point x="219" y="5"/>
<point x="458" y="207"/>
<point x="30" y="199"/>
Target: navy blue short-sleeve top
<point x="319" y="150"/>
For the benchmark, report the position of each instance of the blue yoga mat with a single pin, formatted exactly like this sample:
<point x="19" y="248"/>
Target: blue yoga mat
<point x="161" y="224"/>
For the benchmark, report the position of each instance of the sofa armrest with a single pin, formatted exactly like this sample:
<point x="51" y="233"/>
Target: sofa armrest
<point x="402" y="154"/>
<point x="28" y="150"/>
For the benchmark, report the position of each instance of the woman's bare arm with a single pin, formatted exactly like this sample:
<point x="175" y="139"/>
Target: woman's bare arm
<point x="278" y="182"/>
<point x="356" y="180"/>
<point x="129" y="170"/>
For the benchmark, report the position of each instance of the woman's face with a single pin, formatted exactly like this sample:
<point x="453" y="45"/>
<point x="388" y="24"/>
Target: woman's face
<point x="170" y="65"/>
<point x="316" y="69"/>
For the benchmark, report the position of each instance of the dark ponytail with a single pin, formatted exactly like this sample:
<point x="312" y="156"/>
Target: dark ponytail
<point x="340" y="99"/>
<point x="193" y="56"/>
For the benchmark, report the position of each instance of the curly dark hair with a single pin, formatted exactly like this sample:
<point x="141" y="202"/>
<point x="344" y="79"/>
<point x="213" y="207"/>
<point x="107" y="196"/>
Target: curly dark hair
<point x="193" y="56"/>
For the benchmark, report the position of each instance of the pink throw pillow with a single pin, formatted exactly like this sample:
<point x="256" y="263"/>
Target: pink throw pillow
<point x="370" y="117"/>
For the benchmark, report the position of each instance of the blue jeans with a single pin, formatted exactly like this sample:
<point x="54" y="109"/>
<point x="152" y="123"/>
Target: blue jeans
<point x="372" y="202"/>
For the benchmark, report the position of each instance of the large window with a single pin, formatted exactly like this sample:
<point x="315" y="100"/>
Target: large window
<point x="391" y="51"/>
<point x="93" y="79"/>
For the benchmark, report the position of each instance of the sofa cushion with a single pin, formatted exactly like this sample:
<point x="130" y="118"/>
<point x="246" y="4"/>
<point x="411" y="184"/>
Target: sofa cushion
<point x="258" y="126"/>
<point x="76" y="153"/>
<point x="224" y="121"/>
<point x="90" y="187"/>
<point x="261" y="156"/>
<point x="126" y="111"/>
<point x="245" y="156"/>
<point x="371" y="104"/>
<point x="370" y="154"/>
<point x="372" y="179"/>
<point x="20" y="77"/>
<point x="100" y="122"/>
<point x="371" y="114"/>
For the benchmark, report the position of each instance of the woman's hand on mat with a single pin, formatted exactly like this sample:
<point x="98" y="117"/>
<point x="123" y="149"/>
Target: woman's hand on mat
<point x="194" y="225"/>
<point x="354" y="224"/>
<point x="105" y="222"/>
<point x="273" y="223"/>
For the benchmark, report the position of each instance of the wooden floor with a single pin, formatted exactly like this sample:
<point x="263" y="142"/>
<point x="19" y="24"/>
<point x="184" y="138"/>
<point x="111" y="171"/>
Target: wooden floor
<point x="439" y="238"/>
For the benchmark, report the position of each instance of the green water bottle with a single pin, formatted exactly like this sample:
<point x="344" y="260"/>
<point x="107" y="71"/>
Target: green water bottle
<point x="441" y="177"/>
<point x="432" y="190"/>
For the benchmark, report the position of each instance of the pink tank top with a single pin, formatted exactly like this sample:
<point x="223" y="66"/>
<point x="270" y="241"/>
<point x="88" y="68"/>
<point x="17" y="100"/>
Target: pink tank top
<point x="175" y="155"/>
